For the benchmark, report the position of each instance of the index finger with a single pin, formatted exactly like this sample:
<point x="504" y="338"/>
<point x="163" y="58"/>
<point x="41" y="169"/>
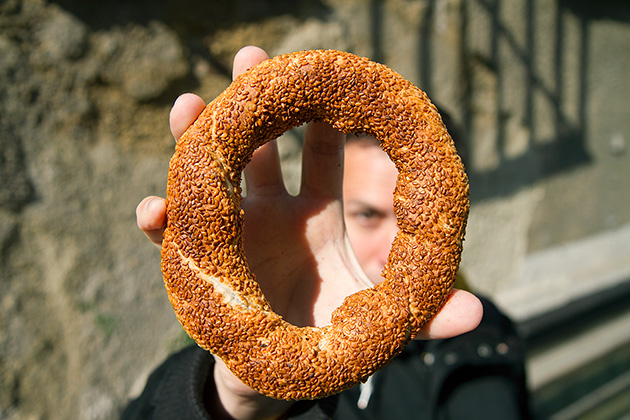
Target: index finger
<point x="246" y="58"/>
<point x="188" y="106"/>
<point x="185" y="111"/>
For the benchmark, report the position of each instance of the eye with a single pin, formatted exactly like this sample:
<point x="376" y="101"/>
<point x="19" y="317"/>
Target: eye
<point x="368" y="217"/>
<point x="367" y="214"/>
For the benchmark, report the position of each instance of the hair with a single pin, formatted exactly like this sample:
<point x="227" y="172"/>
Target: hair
<point x="362" y="139"/>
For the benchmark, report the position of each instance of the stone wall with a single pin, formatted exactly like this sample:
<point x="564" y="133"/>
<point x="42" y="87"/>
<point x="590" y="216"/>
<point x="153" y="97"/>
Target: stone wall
<point x="538" y="90"/>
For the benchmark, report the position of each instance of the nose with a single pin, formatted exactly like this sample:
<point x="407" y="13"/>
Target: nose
<point x="388" y="233"/>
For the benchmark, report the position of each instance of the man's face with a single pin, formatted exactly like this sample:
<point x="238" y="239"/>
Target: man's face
<point x="368" y="184"/>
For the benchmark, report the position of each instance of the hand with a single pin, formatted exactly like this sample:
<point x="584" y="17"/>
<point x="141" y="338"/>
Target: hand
<point x="296" y="246"/>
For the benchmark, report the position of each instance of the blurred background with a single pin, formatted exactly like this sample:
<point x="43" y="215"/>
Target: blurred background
<point x="538" y="91"/>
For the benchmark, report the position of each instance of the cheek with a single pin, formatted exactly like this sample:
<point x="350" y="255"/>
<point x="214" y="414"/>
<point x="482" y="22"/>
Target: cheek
<point x="391" y="231"/>
<point x="360" y="244"/>
<point x="368" y="247"/>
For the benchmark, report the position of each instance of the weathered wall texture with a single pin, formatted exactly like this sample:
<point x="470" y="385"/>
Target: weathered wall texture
<point x="539" y="90"/>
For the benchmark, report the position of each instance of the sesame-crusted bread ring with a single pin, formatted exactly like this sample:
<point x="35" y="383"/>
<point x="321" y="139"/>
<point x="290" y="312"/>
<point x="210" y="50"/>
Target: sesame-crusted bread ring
<point x="209" y="283"/>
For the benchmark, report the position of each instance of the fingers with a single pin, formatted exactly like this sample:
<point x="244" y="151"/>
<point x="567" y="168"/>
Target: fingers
<point x="151" y="212"/>
<point x="461" y="314"/>
<point x="151" y="218"/>
<point x="185" y="111"/>
<point x="246" y="58"/>
<point x="263" y="173"/>
<point x="323" y="150"/>
<point x="188" y="106"/>
<point x="322" y="161"/>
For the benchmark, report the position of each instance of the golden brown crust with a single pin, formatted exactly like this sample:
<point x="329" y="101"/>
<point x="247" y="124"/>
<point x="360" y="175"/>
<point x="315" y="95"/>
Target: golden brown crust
<point x="212" y="290"/>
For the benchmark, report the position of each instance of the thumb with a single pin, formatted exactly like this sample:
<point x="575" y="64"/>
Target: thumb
<point x="246" y="58"/>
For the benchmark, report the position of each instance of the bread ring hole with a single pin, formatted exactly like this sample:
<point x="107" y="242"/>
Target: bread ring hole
<point x="304" y="259"/>
<point x="290" y="153"/>
<point x="279" y="254"/>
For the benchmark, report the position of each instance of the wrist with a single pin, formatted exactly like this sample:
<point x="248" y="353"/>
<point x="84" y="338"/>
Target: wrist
<point x="226" y="397"/>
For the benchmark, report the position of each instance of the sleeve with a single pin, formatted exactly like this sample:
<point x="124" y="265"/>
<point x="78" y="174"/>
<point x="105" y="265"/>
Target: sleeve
<point x="477" y="375"/>
<point x="481" y="374"/>
<point x="175" y="391"/>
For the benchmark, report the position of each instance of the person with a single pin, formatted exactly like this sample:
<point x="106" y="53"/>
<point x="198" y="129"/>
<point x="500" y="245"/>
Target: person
<point x="477" y="375"/>
<point x="191" y="383"/>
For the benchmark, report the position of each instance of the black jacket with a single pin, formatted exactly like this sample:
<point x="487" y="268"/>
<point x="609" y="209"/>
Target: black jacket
<point x="478" y="375"/>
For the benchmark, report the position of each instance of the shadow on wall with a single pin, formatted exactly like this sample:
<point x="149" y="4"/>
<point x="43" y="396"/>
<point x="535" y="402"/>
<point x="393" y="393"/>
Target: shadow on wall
<point x="552" y="113"/>
<point x="194" y="21"/>
<point x="189" y="17"/>
<point x="523" y="109"/>
<point x="544" y="152"/>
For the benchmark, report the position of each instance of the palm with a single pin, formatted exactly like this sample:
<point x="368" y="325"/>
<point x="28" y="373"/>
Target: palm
<point x="296" y="246"/>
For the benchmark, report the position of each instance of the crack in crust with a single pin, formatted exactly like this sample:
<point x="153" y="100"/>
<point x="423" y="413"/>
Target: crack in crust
<point x="212" y="290"/>
<point x="228" y="294"/>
